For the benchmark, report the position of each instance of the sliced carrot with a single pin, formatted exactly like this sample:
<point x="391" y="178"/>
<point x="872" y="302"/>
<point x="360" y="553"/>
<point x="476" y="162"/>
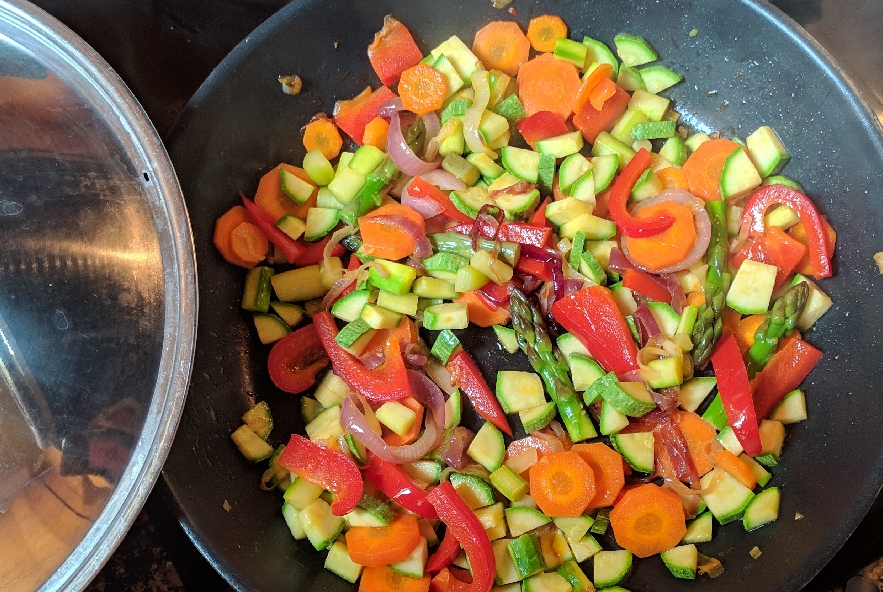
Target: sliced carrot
<point x="392" y="438"/>
<point x="744" y="332"/>
<point x="480" y="313"/>
<point x="274" y="201"/>
<point x="695" y="298"/>
<point x="501" y="45"/>
<point x="447" y="580"/>
<point x="731" y="320"/>
<point x="383" y="237"/>
<point x="673" y="178"/>
<point x="376" y="132"/>
<point x="592" y="80"/>
<point x="547" y="84"/>
<point x="562" y="484"/>
<point x="224" y="227"/>
<point x="383" y="579"/>
<point x="799" y="232"/>
<point x="703" y="168"/>
<point x="321" y="134"/>
<point x="699" y="434"/>
<point x="249" y="243"/>
<point x="605" y="89"/>
<point x="422" y="89"/>
<point x="607" y="467"/>
<point x="735" y="466"/>
<point x="648" y="519"/>
<point x="405" y="332"/>
<point x="373" y="546"/>
<point x="543" y="31"/>
<point x="666" y="248"/>
<point x="354" y="114"/>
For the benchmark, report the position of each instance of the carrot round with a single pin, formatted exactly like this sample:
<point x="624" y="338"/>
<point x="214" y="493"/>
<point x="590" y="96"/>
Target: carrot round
<point x="699" y="435"/>
<point x="562" y="484"/>
<point x="500" y="45"/>
<point x="703" y="168"/>
<point x="673" y="178"/>
<point x="376" y="132"/>
<point x="668" y="247"/>
<point x="383" y="237"/>
<point x="249" y="243"/>
<point x="273" y="200"/>
<point x="735" y="466"/>
<point x="744" y="333"/>
<point x="547" y="84"/>
<point x="321" y="134"/>
<point x="422" y="89"/>
<point x="544" y="30"/>
<point x="373" y="546"/>
<point x="224" y="227"/>
<point x="648" y="519"/>
<point x="480" y="313"/>
<point x="588" y="85"/>
<point x="608" y="469"/>
<point x="383" y="579"/>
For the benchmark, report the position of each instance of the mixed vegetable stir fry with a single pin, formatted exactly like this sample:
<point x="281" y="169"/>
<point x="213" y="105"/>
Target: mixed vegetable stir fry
<point x="656" y="281"/>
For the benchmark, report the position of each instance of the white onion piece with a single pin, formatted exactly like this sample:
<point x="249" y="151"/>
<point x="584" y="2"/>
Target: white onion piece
<point x="348" y="278"/>
<point x="408" y="162"/>
<point x="472" y="117"/>
<point x="338" y="235"/>
<point x="700" y="219"/>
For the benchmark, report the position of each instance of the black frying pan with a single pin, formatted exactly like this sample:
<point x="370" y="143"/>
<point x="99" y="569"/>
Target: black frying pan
<point x="748" y="65"/>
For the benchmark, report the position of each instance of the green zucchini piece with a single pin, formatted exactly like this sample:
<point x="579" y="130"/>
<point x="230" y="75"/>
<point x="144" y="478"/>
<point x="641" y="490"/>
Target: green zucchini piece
<point x="659" y="78"/>
<point x="767" y="151"/>
<point x="339" y="562"/>
<point x="611" y="567"/>
<point x="320" y="525"/>
<point x="601" y="54"/>
<point x="681" y="561"/>
<point x="526" y="555"/>
<point x="251" y="445"/>
<point x="487" y="448"/>
<point x="270" y="327"/>
<point x="256" y="293"/>
<point x="259" y="419"/>
<point x="728" y="500"/>
<point x="475" y="491"/>
<point x="451" y="315"/>
<point x="752" y="287"/>
<point x="637" y="449"/>
<point x="763" y="509"/>
<point x="521" y="519"/>
<point x="700" y="529"/>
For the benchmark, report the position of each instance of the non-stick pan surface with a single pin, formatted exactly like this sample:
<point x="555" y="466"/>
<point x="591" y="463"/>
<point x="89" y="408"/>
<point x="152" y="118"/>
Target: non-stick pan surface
<point x="746" y="65"/>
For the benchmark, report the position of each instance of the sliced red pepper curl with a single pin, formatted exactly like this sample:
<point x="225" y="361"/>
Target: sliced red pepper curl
<point x="327" y="468"/>
<point x="396" y="485"/>
<point x="541" y="125"/>
<point x="466" y="527"/>
<point x="773" y="247"/>
<point x="289" y="247"/>
<point x="466" y="375"/>
<point x="644" y="283"/>
<point x="388" y="382"/>
<point x="513" y="232"/>
<point x="593" y="317"/>
<point x="295" y="360"/>
<point x="447" y="551"/>
<point x="619" y="198"/>
<point x="426" y="190"/>
<point x="785" y="371"/>
<point x="765" y="197"/>
<point x="314" y="253"/>
<point x="735" y="392"/>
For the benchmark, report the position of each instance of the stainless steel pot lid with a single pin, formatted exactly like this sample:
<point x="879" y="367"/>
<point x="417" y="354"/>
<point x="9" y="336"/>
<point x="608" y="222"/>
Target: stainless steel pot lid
<point x="97" y="304"/>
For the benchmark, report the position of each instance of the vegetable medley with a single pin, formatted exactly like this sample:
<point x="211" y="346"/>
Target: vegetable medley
<point x="656" y="281"/>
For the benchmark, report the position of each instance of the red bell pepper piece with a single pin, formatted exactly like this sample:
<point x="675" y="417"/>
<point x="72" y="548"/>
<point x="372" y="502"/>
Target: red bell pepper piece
<point x="466" y="527"/>
<point x="513" y="232"/>
<point x="447" y="551"/>
<point x="467" y="376"/>
<point x="295" y="360"/>
<point x="619" y="198"/>
<point x="423" y="189"/>
<point x="591" y="121"/>
<point x="388" y="382"/>
<point x="735" y="393"/>
<point x="313" y="253"/>
<point x="393" y="51"/>
<point x="593" y="317"/>
<point x="541" y="125"/>
<point x="327" y="468"/>
<point x="264" y="220"/>
<point x="539" y="217"/>
<point x="353" y="115"/>
<point x="785" y="371"/>
<point x="773" y="247"/>
<point x="542" y="270"/>
<point x="394" y="483"/>
<point x="765" y="197"/>
<point x="644" y="283"/>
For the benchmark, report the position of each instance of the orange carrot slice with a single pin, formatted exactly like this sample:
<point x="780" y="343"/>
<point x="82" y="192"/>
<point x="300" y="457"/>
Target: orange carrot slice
<point x="249" y="243"/>
<point x="668" y="247"/>
<point x="373" y="546"/>
<point x="383" y="579"/>
<point x="735" y="466"/>
<point x="699" y="435"/>
<point x="422" y="89"/>
<point x="321" y="134"/>
<point x="274" y="201"/>
<point x="562" y="484"/>
<point x="547" y="84"/>
<point x="480" y="313"/>
<point x="744" y="333"/>
<point x="608" y="469"/>
<point x="501" y="45"/>
<point x="376" y="132"/>
<point x="648" y="519"/>
<point x="673" y="178"/>
<point x="384" y="239"/>
<point x="703" y="168"/>
<point x="224" y="227"/>
<point x="543" y="31"/>
<point x="592" y="80"/>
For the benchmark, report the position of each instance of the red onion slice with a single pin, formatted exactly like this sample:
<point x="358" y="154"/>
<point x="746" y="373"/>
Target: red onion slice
<point x="425" y="206"/>
<point x="453" y="449"/>
<point x="408" y="162"/>
<point x="671" y="283"/>
<point x="444" y="180"/>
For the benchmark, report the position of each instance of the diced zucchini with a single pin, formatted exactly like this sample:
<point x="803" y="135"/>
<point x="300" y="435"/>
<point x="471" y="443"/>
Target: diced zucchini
<point x="606" y="144"/>
<point x="424" y="471"/>
<point x="526" y="555"/>
<point x="378" y="317"/>
<point x="791" y="409"/>
<point x="817" y="304"/>
<point x="270" y="327"/>
<point x="259" y="419"/>
<point x="414" y="565"/>
<point x="681" y="561"/>
<point x="430" y="287"/>
<point x="651" y="105"/>
<point x="517" y="390"/>
<point x="727" y="438"/>
<point x="396" y="417"/>
<point x="405" y="304"/>
<point x="296" y="188"/>
<point x="460" y="57"/>
<point x="767" y="152"/>
<point x="309" y="409"/>
<point x="521" y="162"/>
<point x="339" y="562"/>
<point x="320" y="525"/>
<point x="493" y="520"/>
<point x="521" y="519"/>
<point x="546" y="582"/>
<point x="631" y="398"/>
<point x="445" y="345"/>
<point x="570" y="571"/>
<point x="453" y="315"/>
<point x="763" y="509"/>
<point x="320" y="221"/>
<point x="561" y="146"/>
<point x="738" y="176"/>
<point x="637" y="449"/>
<point x="292" y="314"/>
<point x="752" y="287"/>
<point x="604" y="168"/>
<point x="256" y="293"/>
<point x="318" y="167"/>
<point x="728" y="499"/>
<point x="298" y="285"/>
<point x="599" y="53"/>
<point x="584" y="548"/>
<point x="349" y="307"/>
<point x="487" y="448"/>
<point x="505" y="572"/>
<point x="659" y="78"/>
<point x="475" y="491"/>
<point x="760" y="473"/>
<point x="289" y="513"/>
<point x="355" y="336"/>
<point x="611" y="567"/>
<point x="462" y="168"/>
<point x="325" y="425"/>
<point x="399" y="277"/>
<point x="699" y="530"/>
<point x="301" y="493"/>
<point x="331" y="391"/>
<point x="507" y="338"/>
<point x="611" y="420"/>
<point x="293" y="226"/>
<point x="252" y="446"/>
<point x="536" y="418"/>
<point x="674" y="150"/>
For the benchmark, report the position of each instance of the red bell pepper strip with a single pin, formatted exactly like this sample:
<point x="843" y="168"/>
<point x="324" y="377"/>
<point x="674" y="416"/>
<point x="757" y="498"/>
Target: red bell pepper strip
<point x="327" y="468"/>
<point x="295" y="360"/>
<point x="394" y="483"/>
<point x="785" y="371"/>
<point x="466" y="375"/>
<point x="541" y="125"/>
<point x="542" y="270"/>
<point x="289" y="247"/>
<point x="313" y="253"/>
<point x="644" y="283"/>
<point x="393" y="51"/>
<point x="539" y="217"/>
<point x="593" y="317"/>
<point x="513" y="232"/>
<point x="619" y="198"/>
<point x="353" y="115"/>
<point x="468" y="530"/>
<point x="447" y="551"/>
<point x="773" y="247"/>
<point x="735" y="393"/>
<point x="591" y="121"/>
<point x="423" y="189"/>
<point x="389" y="382"/>
<point x="765" y="197"/>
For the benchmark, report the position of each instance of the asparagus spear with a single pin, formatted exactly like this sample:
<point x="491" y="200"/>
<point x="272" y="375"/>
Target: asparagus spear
<point x="709" y="320"/>
<point x="549" y="363"/>
<point x="779" y="322"/>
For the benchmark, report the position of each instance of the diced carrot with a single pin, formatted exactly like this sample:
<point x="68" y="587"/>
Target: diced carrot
<point x="321" y="134"/>
<point x="592" y="80"/>
<point x="224" y="227"/>
<point x="673" y="178"/>
<point x="799" y="232"/>
<point x="648" y="519"/>
<point x="543" y="31"/>
<point x="354" y="114"/>
<point x="383" y="579"/>
<point x="393" y="51"/>
<point x="422" y="89"/>
<point x="447" y="581"/>
<point x="562" y="484"/>
<point x="605" y="89"/>
<point x="501" y="45"/>
<point x="376" y="132"/>
<point x="695" y="298"/>
<point x="591" y="121"/>
<point x="735" y="466"/>
<point x="383" y="237"/>
<point x="745" y="330"/>
<point x="393" y="439"/>
<point x="249" y="243"/>
<point x="480" y="313"/>
<point x="731" y="320"/>
<point x="607" y="467"/>
<point x="668" y="247"/>
<point x="704" y="167"/>
<point x="274" y="201"/>
<point x="699" y="434"/>
<point x="373" y="546"/>
<point x="547" y="84"/>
